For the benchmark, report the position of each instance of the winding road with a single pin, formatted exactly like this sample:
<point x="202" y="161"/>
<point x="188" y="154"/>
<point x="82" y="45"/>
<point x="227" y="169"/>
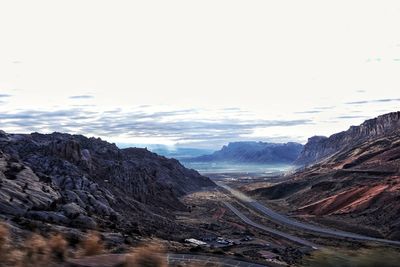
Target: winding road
<point x="268" y="229"/>
<point x="277" y="217"/>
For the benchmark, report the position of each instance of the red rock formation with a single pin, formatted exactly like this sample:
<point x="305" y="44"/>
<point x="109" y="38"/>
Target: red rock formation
<point x="356" y="181"/>
<point x="320" y="147"/>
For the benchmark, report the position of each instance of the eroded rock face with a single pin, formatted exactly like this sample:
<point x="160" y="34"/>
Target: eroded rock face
<point x="66" y="149"/>
<point x="21" y="190"/>
<point x="320" y="147"/>
<point x="357" y="187"/>
<point x="84" y="182"/>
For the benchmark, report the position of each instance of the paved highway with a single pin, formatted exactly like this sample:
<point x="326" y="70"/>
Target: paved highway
<point x="277" y="217"/>
<point x="268" y="229"/>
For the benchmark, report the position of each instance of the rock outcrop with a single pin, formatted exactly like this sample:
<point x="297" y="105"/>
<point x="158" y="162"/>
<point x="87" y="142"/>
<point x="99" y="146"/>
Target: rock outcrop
<point x="320" y="147"/>
<point x="74" y="181"/>
<point x="356" y="187"/>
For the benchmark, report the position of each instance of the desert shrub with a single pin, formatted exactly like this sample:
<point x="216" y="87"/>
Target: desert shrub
<point x="360" y="258"/>
<point x="92" y="245"/>
<point x="4" y="244"/>
<point x="147" y="256"/>
<point x="4" y="237"/>
<point x="13" y="258"/>
<point x="58" y="247"/>
<point x="8" y="255"/>
<point x="37" y="251"/>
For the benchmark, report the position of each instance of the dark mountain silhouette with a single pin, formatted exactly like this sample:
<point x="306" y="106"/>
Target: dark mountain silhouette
<point x="79" y="182"/>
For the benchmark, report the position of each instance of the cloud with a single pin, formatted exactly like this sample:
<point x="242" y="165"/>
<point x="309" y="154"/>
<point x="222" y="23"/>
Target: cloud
<point x="351" y="117"/>
<point x="324" y="108"/>
<point x="315" y="110"/>
<point x="309" y="112"/>
<point x="81" y="97"/>
<point x="357" y="102"/>
<point x="179" y="126"/>
<point x="362" y="102"/>
<point x="387" y="100"/>
<point x="39" y="115"/>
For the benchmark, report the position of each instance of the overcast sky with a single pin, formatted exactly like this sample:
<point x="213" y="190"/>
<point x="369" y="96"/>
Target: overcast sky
<point x="197" y="73"/>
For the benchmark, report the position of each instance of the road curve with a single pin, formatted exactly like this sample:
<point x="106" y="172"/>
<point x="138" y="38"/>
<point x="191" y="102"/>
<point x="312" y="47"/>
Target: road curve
<point x="277" y="217"/>
<point x="268" y="229"/>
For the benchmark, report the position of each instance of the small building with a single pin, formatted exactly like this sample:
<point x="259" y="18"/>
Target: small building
<point x="195" y="242"/>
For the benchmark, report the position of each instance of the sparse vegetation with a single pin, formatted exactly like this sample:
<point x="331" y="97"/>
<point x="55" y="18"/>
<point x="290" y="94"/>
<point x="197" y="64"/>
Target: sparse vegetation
<point x="8" y="255"/>
<point x="359" y="258"/>
<point x="58" y="247"/>
<point x="4" y="237"/>
<point x="37" y="251"/>
<point x="4" y="242"/>
<point x="92" y="245"/>
<point x="147" y="256"/>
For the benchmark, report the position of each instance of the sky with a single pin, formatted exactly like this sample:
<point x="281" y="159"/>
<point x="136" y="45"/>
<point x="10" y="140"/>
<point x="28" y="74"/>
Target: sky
<point x="197" y="73"/>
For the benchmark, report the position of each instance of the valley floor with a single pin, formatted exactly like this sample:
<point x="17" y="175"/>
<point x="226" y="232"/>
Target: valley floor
<point x="232" y="233"/>
<point x="221" y="216"/>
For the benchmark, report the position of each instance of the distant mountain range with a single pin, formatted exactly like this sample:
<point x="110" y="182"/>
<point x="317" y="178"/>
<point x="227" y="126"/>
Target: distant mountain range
<point x="176" y="152"/>
<point x="254" y="152"/>
<point x="179" y="153"/>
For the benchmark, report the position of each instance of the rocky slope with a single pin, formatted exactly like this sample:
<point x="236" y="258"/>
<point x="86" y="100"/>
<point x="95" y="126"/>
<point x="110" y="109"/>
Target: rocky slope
<point x="320" y="147"/>
<point x="86" y="183"/>
<point x="357" y="188"/>
<point x="254" y="152"/>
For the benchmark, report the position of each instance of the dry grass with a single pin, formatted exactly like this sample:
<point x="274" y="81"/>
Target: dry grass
<point x="4" y="237"/>
<point x="14" y="258"/>
<point x="8" y="255"/>
<point x="50" y="252"/>
<point x="359" y="258"/>
<point x="37" y="251"/>
<point x="147" y="256"/>
<point x="40" y="251"/>
<point x="58" y="246"/>
<point x="92" y="245"/>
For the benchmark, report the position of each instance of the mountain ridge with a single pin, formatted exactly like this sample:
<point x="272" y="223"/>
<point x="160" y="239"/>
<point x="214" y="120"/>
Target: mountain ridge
<point x="254" y="152"/>
<point x="320" y="147"/>
<point x="80" y="182"/>
<point x="355" y="187"/>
